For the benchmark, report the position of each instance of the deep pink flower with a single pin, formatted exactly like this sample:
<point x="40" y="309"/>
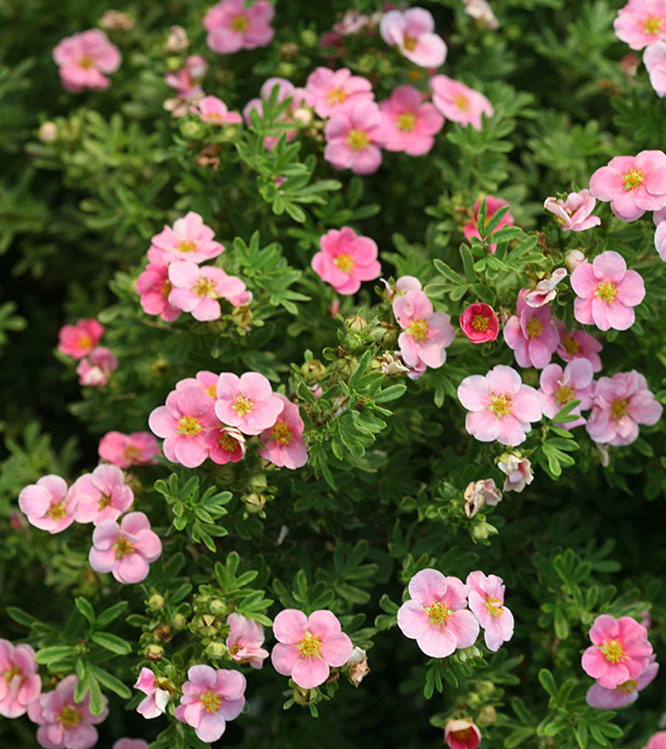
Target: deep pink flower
<point x="187" y="80"/>
<point x="559" y="387"/>
<point x="458" y="102"/>
<point x="126" y="743"/>
<point x="411" y="122"/>
<point x="620" y="650"/>
<point x="64" y="723"/>
<point x="486" y="601"/>
<point x="95" y="369"/>
<point x="231" y="26"/>
<point x="623" y="694"/>
<point x="577" y="344"/>
<point x="47" y="504"/>
<point x="308" y="646"/>
<point x="20" y="683"/>
<point x="155" y="702"/>
<point x="189" y="239"/>
<point x="214" y="111"/>
<point x="471" y="228"/>
<point x="619" y="404"/>
<point x="245" y="640"/>
<point x="658" y="741"/>
<point x="125" y="550"/>
<point x="153" y="287"/>
<point x="573" y="214"/>
<point x="544" y="292"/>
<point x="183" y="422"/>
<point x="346" y="259"/>
<point x="425" y="334"/>
<point x="532" y="334"/>
<point x="500" y="406"/>
<point x="353" y="138"/>
<point x="282" y="443"/>
<point x="225" y="444"/>
<point x="641" y="22"/>
<point x="210" y="698"/>
<point x="632" y="184"/>
<point x="83" y="58"/>
<point x="125" y="450"/>
<point x="411" y="31"/>
<point x="479" y="323"/>
<point x="80" y="339"/>
<point x="196" y="289"/>
<point x="101" y="495"/>
<point x="436" y="615"/>
<point x="462" y="733"/>
<point x="517" y="469"/>
<point x="654" y="59"/>
<point x="329" y="92"/>
<point x="247" y="402"/>
<point x="606" y="292"/>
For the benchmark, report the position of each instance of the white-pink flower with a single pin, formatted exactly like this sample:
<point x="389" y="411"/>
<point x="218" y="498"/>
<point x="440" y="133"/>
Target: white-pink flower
<point x="232" y="26"/>
<point x="215" y="112"/>
<point x="486" y="601"/>
<point x="544" y="292"/>
<point x="411" y="123"/>
<point x="247" y="402"/>
<point x="573" y="214"/>
<point x="329" y="92"/>
<point x="155" y="702"/>
<point x="196" y="289"/>
<point x="458" y="102"/>
<point x="95" y="369"/>
<point x="245" y="640"/>
<point x="101" y="495"/>
<point x="641" y="22"/>
<point x="47" y="505"/>
<point x="425" y="333"/>
<point x="282" y="443"/>
<point x="559" y="387"/>
<point x="654" y="59"/>
<point x="660" y="240"/>
<point x="354" y="137"/>
<point x="20" y="684"/>
<point x="412" y="32"/>
<point x="188" y="239"/>
<point x="83" y="59"/>
<point x="517" y="469"/>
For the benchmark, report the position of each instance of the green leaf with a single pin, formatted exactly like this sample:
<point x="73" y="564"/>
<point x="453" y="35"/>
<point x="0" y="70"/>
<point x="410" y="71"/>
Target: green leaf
<point x="84" y="606"/>
<point x="96" y="699"/>
<point x="548" y="682"/>
<point x="54" y="653"/>
<point x="21" y="617"/>
<point x="113" y="612"/>
<point x="111" y="642"/>
<point x="112" y="683"/>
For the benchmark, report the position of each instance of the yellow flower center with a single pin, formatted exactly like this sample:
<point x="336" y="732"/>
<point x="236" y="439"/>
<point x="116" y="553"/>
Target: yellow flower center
<point x="69" y="716"/>
<point x="606" y="291"/>
<point x="358" y="139"/>
<point x="494" y="607"/>
<point x="12" y="672"/>
<point x="463" y="735"/>
<point x="243" y="405"/>
<point x="132" y="453"/>
<point x="189" y="425"/>
<point x="85" y="341"/>
<point x="633" y="178"/>
<point x="618" y="409"/>
<point x="211" y="390"/>
<point x="406" y="122"/>
<point x="500" y="405"/>
<point x="310" y="645"/>
<point x="612" y="651"/>
<point x="104" y="501"/>
<point x="281" y="433"/>
<point x="571" y="345"/>
<point x="628" y="686"/>
<point x="211" y="701"/>
<point x="653" y="25"/>
<point x="86" y="62"/>
<point x="565" y="395"/>
<point x="480" y="323"/>
<point x="240" y="23"/>
<point x="166" y="288"/>
<point x="205" y="287"/>
<point x="410" y="43"/>
<point x="186" y="246"/>
<point x="123" y="547"/>
<point x="227" y="442"/>
<point x="462" y="102"/>
<point x="336" y="96"/>
<point x="438" y="613"/>
<point x="57" y="511"/>
<point x="418" y="330"/>
<point x="534" y="328"/>
<point x="344" y="262"/>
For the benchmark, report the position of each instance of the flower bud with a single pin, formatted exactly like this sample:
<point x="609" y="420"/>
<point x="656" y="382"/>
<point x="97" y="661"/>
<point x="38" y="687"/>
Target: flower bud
<point x="313" y="370"/>
<point x="179" y="622"/>
<point x="303" y="115"/>
<point x="258" y="482"/>
<point x="154" y="652"/>
<point x="356" y="323"/>
<point x="486" y="716"/>
<point x="254" y="502"/>
<point x="242" y="317"/>
<point x="573" y="259"/>
<point x="163" y="633"/>
<point x="216" y="649"/>
<point x="191" y="130"/>
<point x="115" y="20"/>
<point x="217" y="607"/>
<point x="48" y="132"/>
<point x="177" y="40"/>
<point x="156" y="602"/>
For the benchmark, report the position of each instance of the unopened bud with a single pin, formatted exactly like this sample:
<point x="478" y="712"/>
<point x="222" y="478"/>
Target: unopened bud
<point x="303" y="115"/>
<point x="48" y="132"/>
<point x="154" y="652"/>
<point x="313" y="370"/>
<point x="242" y="317"/>
<point x="216" y="649"/>
<point x="191" y="130"/>
<point x="115" y="20"/>
<point x="163" y="633"/>
<point x="258" y="482"/>
<point x="217" y="607"/>
<point x="254" y="502"/>
<point x="573" y="259"/>
<point x="156" y="602"/>
<point x="179" y="621"/>
<point x="356" y="323"/>
<point x="487" y="716"/>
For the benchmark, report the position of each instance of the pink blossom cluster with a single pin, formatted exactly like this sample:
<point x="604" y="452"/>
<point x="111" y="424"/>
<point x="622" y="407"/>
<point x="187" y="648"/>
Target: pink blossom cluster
<point x="96" y="363"/>
<point x="83" y="59"/>
<point x="20" y="684"/>
<point x="212" y="416"/>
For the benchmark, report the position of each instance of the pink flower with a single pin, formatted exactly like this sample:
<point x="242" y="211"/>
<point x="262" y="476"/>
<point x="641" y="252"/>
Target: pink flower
<point x="126" y="743"/>
<point x="436" y="615"/>
<point x="214" y="111"/>
<point x="518" y="471"/>
<point x="471" y="228"/>
<point x="346" y="259"/>
<point x="632" y="184"/>
<point x="125" y="450"/>
<point x="83" y="58"/>
<point x="573" y="259"/>
<point x="425" y="334"/>
<point x="658" y="741"/>
<point x="204" y="380"/>
<point x="620" y="651"/>
<point x="247" y="402"/>
<point x="641" y="22"/>
<point x="64" y="723"/>
<point x="125" y="550"/>
<point x="623" y="694"/>
<point x="231" y="26"/>
<point x="210" y="698"/>
<point x="459" y="103"/>
<point x="153" y="287"/>
<point x="660" y="240"/>
<point x="462" y="734"/>
<point x="544" y="292"/>
<point x="154" y="704"/>
<point x="196" y="289"/>
<point x="282" y="443"/>
<point x="308" y="646"/>
<point x="559" y="387"/>
<point x="189" y="239"/>
<point x="654" y="59"/>
<point x="95" y="370"/>
<point x="101" y="495"/>
<point x="183" y="422"/>
<point x="501" y="407"/>
<point x="411" y="122"/>
<point x="332" y="91"/>
<point x="245" y="640"/>
<point x="480" y="493"/>
<point x="479" y="323"/>
<point x="20" y="683"/>
<point x="402" y="286"/>
<point x="187" y="80"/>
<point x="47" y="504"/>
<point x="286" y="90"/>
<point x="486" y="601"/>
<point x="353" y="138"/>
<point x="225" y="444"/>
<point x="532" y="334"/>
<point x="577" y="344"/>
<point x="606" y="292"/>
<point x="620" y="403"/>
<point x="573" y="214"/>
<point x="411" y="32"/>
<point x="80" y="339"/>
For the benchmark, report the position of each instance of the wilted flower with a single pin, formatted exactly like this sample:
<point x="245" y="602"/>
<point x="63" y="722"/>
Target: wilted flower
<point x="357" y="666"/>
<point x="480" y="493"/>
<point x="544" y="293"/>
<point x="518" y="471"/>
<point x="573" y="214"/>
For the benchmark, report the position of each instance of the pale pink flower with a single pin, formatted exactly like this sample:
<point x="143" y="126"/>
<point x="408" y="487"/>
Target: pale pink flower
<point x="532" y="334"/>
<point x="245" y="640"/>
<point x="458" y="102"/>
<point x="95" y="369"/>
<point x="660" y="240"/>
<point x="211" y="697"/>
<point x="214" y="111"/>
<point x="461" y="733"/>
<point x="480" y="493"/>
<point x="80" y="339"/>
<point x="20" y="683"/>
<point x="623" y="694"/>
<point x="329" y="92"/>
<point x="353" y="138"/>
<point x="573" y="214"/>
<point x="411" y="31"/>
<point x="479" y="323"/>
<point x="401" y="286"/>
<point x="231" y="26"/>
<point x="544" y="292"/>
<point x="282" y="444"/>
<point x="411" y="122"/>
<point x="47" y="504"/>
<point x="247" y="402"/>
<point x="83" y="58"/>
<point x="606" y="292"/>
<point x="658" y="741"/>
<point x="471" y="228"/>
<point x="196" y="289"/>
<point x="307" y="647"/>
<point x="559" y="387"/>
<point x="187" y="80"/>
<point x="577" y="344"/>
<point x="183" y="423"/>
<point x="189" y="239"/>
<point x="153" y="287"/>
<point x="64" y="723"/>
<point x="425" y="333"/>
<point x="500" y="406"/>
<point x="619" y="404"/>
<point x="620" y="650"/>
<point x="155" y="702"/>
<point x="205" y="380"/>
<point x="486" y="601"/>
<point x="632" y="184"/>
<point x="126" y="743"/>
<point x="641" y="22"/>
<point x="480" y="11"/>
<point x="436" y="615"/>
<point x="125" y="450"/>
<point x="125" y="550"/>
<point x="346" y="259"/>
<point x="654" y="59"/>
<point x="101" y="495"/>
<point x="517" y="469"/>
<point x="225" y="444"/>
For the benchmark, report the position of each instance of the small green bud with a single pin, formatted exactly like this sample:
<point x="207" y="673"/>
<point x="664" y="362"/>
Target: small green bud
<point x="156" y="602"/>
<point x="217" y="607"/>
<point x="216" y="649"/>
<point x="179" y="621"/>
